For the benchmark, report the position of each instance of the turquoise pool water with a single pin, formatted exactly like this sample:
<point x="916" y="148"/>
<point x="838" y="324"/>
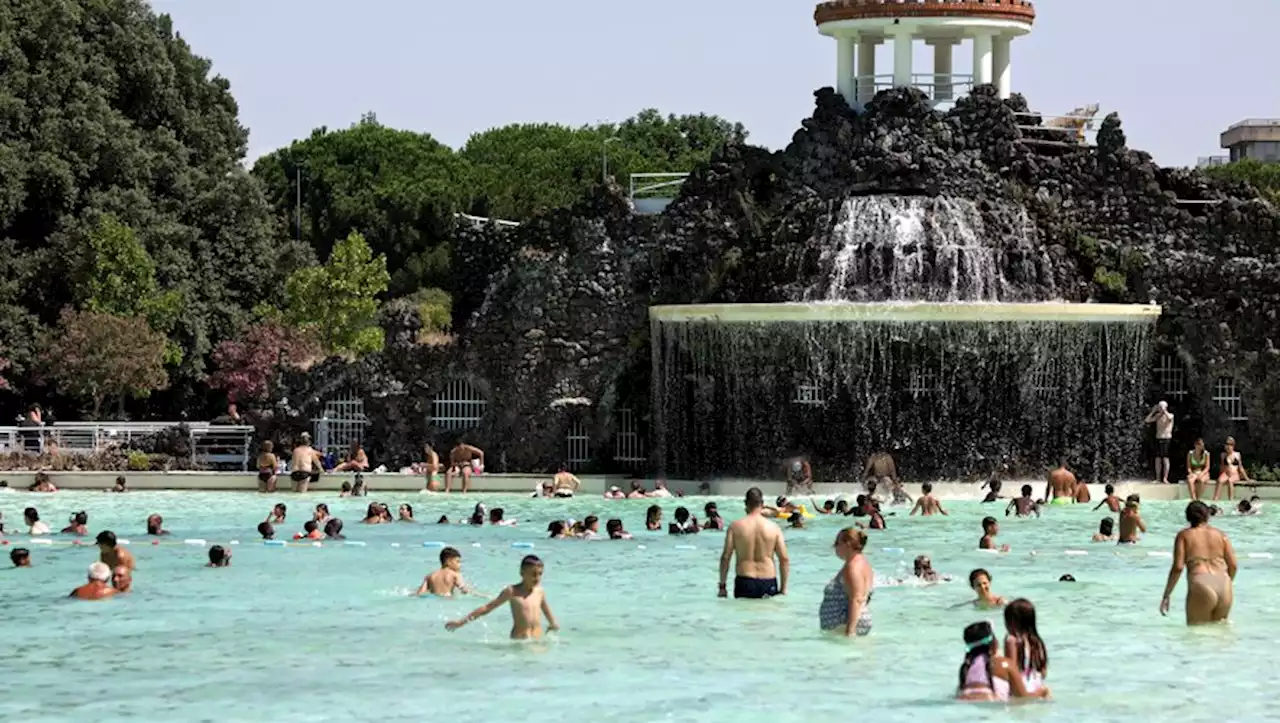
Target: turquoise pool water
<point x="303" y="634"/>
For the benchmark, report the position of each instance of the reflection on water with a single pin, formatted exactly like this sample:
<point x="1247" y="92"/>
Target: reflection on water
<point x="300" y="633"/>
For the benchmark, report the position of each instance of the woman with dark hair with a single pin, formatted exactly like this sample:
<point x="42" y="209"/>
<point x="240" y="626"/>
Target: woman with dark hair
<point x="1210" y="561"/>
<point x="333" y="529"/>
<point x="714" y="520"/>
<point x="1023" y="644"/>
<point x="653" y="518"/>
<point x="985" y="676"/>
<point x="372" y="514"/>
<point x="846" y="600"/>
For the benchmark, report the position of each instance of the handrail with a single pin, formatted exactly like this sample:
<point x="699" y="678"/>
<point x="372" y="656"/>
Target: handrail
<point x="209" y="442"/>
<point x="673" y="179"/>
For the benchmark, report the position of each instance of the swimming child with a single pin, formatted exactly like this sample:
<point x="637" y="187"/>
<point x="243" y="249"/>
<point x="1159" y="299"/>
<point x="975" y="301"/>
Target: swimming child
<point x="266" y="530"/>
<point x="528" y="604"/>
<point x="994" y="494"/>
<point x="1106" y="530"/>
<point x="980" y="581"/>
<point x="219" y="556"/>
<point x="1023" y="645"/>
<point x="684" y="523"/>
<point x="924" y="571"/>
<point x="80" y="521"/>
<point x="987" y="676"/>
<point x="310" y="531"/>
<point x="796" y="521"/>
<point x="1130" y="522"/>
<point x="990" y="528"/>
<point x="1246" y="507"/>
<point x="557" y="530"/>
<point x="1111" y="501"/>
<point x="448" y="578"/>
<point x="1024" y="505"/>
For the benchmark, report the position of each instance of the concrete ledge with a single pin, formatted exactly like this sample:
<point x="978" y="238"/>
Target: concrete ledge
<point x="592" y="485"/>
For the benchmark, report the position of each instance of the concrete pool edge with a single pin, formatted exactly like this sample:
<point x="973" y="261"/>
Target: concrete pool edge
<point x="592" y="485"/>
<point x="906" y="312"/>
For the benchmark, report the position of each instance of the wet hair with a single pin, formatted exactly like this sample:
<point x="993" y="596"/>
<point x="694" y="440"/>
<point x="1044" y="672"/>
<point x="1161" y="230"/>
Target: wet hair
<point x="988" y="523"/>
<point x="530" y="561"/>
<point x="266" y="530"/>
<point x="121" y="481"/>
<point x="927" y="487"/>
<point x="974" y="634"/>
<point x="682" y="514"/>
<point x="1107" y="526"/>
<point x="842" y="506"/>
<point x="829" y="505"/>
<point x="652" y="515"/>
<point x="18" y="555"/>
<point x="1026" y="490"/>
<point x="495" y="514"/>
<point x="710" y="510"/>
<point x="31" y="514"/>
<point x="1198" y="513"/>
<point x="444" y="520"/>
<point x="852" y="536"/>
<point x="282" y="508"/>
<point x="155" y="523"/>
<point x="796" y="519"/>
<point x="613" y="527"/>
<point x="322" y="506"/>
<point x="589" y="521"/>
<point x="81" y="518"/>
<point x="448" y="554"/>
<point x="973" y="576"/>
<point x="217" y="555"/>
<point x="359" y="485"/>
<point x="754" y="499"/>
<point x="107" y="537"/>
<point x="1020" y="621"/>
<point x="310" y="526"/>
<point x="333" y="527"/>
<point x="1110" y="489"/>
<point x="1133" y="498"/>
<point x="371" y="510"/>
<point x="408" y="508"/>
<point x="346" y="486"/>
<point x="556" y="528"/>
<point x="1067" y="578"/>
<point x="920" y="567"/>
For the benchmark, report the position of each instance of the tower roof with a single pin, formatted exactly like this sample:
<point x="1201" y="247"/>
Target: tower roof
<point x="1017" y="10"/>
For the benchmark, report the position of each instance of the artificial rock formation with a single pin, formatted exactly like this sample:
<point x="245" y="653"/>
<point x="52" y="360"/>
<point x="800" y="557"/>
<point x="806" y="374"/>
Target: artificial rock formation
<point x="557" y="333"/>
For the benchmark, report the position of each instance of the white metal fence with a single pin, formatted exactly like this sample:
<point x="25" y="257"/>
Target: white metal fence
<point x="578" y="441"/>
<point x="458" y="406"/>
<point x="340" y="423"/>
<point x="211" y="444"/>
<point x="1227" y="396"/>
<point x="628" y="442"/>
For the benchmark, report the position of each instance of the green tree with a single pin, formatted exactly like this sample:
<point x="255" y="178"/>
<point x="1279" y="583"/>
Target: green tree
<point x="1263" y="176"/>
<point x="399" y="189"/>
<point x="96" y="356"/>
<point x="338" y="301"/>
<point x="105" y="111"/>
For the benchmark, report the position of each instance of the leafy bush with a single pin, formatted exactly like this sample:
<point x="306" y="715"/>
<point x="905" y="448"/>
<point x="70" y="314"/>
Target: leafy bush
<point x="139" y="461"/>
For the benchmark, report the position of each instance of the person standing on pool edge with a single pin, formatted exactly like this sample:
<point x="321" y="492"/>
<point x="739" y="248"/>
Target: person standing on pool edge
<point x="755" y="542"/>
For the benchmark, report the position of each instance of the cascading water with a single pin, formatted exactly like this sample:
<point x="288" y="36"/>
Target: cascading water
<point x="884" y="248"/>
<point x="838" y="374"/>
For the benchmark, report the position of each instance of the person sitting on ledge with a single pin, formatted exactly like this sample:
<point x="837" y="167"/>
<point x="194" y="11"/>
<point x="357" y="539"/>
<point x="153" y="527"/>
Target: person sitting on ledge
<point x="357" y="460"/>
<point x="155" y="525"/>
<point x="464" y="460"/>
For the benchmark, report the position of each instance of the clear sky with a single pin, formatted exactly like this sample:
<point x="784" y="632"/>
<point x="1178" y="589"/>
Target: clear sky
<point x="1178" y="71"/>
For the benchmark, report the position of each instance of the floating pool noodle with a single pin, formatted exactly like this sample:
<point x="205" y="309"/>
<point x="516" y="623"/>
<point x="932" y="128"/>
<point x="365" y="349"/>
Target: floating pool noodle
<point x="990" y="551"/>
<point x="196" y="542"/>
<point x="522" y="545"/>
<point x="395" y="544"/>
<point x="234" y="542"/>
<point x="1261" y="555"/>
<point x="1075" y="553"/>
<point x="433" y="544"/>
<point x="40" y="541"/>
<point x="353" y="543"/>
<point x="898" y="550"/>
<point x="122" y="542"/>
<point x="1159" y="553"/>
<point x="686" y="547"/>
<point x="274" y="543"/>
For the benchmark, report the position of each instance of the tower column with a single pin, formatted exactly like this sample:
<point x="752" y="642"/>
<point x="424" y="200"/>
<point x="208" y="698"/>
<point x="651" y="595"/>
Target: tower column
<point x="1002" y="64"/>
<point x="866" y="85"/>
<point x="846" y="84"/>
<point x="902" y="71"/>
<point x="943" y="84"/>
<point x="982" y="61"/>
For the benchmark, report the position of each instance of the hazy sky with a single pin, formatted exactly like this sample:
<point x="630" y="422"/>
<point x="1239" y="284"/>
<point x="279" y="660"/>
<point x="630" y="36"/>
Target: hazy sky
<point x="1178" y="71"/>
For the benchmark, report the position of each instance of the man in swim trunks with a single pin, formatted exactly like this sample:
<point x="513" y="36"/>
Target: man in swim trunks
<point x="1061" y="488"/>
<point x="1163" y="419"/>
<point x="799" y="475"/>
<point x="307" y="465"/>
<point x="755" y="542"/>
<point x="460" y="458"/>
<point x="1130" y="522"/>
<point x="880" y="469"/>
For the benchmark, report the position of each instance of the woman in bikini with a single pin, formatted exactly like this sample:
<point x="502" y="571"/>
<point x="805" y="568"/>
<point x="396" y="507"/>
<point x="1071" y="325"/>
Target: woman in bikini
<point x="267" y="464"/>
<point x="1232" y="470"/>
<point x="846" y="600"/>
<point x="1197" y="470"/>
<point x="1210" y="561"/>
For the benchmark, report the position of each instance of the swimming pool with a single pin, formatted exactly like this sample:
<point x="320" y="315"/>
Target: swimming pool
<point x="331" y="634"/>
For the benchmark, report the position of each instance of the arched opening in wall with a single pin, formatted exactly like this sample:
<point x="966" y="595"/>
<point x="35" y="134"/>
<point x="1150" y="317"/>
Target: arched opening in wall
<point x="458" y="406"/>
<point x="1171" y="377"/>
<point x="629" y="441"/>
<point x="578" y="445"/>
<point x="341" y="422"/>
<point x="1227" y="396"/>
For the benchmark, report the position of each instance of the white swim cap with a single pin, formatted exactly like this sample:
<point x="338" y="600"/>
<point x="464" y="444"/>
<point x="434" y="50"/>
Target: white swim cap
<point x="99" y="572"/>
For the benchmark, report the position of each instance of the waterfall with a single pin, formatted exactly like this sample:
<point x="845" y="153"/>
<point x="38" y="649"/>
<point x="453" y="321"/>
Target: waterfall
<point x="884" y="248"/>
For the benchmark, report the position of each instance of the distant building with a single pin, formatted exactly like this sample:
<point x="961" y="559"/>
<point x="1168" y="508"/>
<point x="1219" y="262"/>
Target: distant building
<point x="1255" y="138"/>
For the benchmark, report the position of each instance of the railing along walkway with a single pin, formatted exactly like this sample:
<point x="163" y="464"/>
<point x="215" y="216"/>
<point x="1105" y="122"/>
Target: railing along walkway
<point x="221" y="444"/>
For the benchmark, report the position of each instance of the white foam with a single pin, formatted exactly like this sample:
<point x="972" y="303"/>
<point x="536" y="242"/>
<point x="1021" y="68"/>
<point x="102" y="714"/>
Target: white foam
<point x="1261" y="555"/>
<point x="1075" y="553"/>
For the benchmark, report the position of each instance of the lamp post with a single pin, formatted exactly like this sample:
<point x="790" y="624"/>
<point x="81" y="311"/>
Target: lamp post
<point x="604" y="158"/>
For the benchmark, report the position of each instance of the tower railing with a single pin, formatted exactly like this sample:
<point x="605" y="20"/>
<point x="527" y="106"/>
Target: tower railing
<point x="939" y="87"/>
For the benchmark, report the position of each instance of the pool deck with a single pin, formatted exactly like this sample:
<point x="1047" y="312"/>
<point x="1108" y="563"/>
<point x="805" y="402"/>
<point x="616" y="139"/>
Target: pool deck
<point x="592" y="485"/>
